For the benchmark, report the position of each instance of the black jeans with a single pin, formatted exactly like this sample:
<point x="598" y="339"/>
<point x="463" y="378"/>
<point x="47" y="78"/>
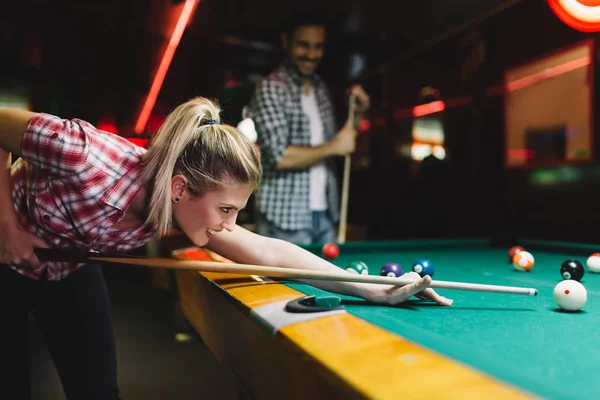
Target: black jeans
<point x="73" y="315"/>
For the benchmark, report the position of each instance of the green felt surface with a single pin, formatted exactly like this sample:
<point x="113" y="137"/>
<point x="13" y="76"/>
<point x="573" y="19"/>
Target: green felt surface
<point x="525" y="341"/>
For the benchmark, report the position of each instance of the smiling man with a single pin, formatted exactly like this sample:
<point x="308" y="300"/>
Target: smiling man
<point x="298" y="138"/>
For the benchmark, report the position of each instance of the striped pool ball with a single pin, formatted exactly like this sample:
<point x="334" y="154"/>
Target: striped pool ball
<point x="391" y="269"/>
<point x="423" y="267"/>
<point x="523" y="261"/>
<point x="358" y="267"/>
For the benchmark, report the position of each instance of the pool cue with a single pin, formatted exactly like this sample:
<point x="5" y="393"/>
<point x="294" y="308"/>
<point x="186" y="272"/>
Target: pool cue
<point x="275" y="272"/>
<point x="279" y="272"/>
<point x="346" y="181"/>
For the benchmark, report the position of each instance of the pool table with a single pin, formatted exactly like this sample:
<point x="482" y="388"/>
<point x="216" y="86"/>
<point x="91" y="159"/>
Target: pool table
<point x="485" y="346"/>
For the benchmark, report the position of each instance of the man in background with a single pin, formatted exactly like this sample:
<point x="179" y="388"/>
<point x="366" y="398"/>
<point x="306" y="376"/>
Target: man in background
<point x="294" y="119"/>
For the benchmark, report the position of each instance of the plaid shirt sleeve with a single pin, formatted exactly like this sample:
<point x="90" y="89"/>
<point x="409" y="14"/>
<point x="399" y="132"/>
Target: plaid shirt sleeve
<point x="270" y="120"/>
<point x="57" y="146"/>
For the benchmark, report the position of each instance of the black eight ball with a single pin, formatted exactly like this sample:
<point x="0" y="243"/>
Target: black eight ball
<point x="572" y="269"/>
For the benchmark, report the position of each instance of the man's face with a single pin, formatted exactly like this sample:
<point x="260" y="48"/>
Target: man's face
<point x="305" y="49"/>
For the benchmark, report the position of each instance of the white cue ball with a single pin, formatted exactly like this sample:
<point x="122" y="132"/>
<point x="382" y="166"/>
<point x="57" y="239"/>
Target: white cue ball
<point x="570" y="295"/>
<point x="593" y="263"/>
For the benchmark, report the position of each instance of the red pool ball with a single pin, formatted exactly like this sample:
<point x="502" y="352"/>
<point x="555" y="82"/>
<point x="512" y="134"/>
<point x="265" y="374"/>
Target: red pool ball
<point x="331" y="251"/>
<point x="512" y="251"/>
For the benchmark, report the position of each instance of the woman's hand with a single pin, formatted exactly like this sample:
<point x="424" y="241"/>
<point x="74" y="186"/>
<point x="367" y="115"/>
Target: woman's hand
<point x="393" y="295"/>
<point x="16" y="246"/>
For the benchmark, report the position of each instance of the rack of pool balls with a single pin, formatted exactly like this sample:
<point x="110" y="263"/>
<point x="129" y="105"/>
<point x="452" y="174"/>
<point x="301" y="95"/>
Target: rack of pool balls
<point x="392" y="269"/>
<point x="569" y="294"/>
<point x="422" y="267"/>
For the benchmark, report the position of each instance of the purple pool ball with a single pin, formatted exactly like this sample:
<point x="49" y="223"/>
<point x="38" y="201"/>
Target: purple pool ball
<point x="391" y="270"/>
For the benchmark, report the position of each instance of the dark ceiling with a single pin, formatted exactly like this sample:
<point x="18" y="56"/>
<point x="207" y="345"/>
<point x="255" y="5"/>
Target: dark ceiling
<point x="86" y="58"/>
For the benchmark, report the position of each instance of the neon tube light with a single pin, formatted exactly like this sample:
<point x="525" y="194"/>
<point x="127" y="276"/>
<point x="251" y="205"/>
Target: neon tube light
<point x="548" y="73"/>
<point x="159" y="78"/>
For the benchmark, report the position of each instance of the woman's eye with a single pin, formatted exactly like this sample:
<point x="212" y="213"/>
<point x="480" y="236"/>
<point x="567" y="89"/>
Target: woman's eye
<point x="225" y="210"/>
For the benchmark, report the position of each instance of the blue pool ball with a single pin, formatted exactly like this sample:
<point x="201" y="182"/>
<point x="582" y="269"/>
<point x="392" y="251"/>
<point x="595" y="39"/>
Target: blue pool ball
<point x="358" y="267"/>
<point x="391" y="270"/>
<point x="423" y="267"/>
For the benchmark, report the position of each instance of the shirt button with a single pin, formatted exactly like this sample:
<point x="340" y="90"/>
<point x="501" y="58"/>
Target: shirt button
<point x="46" y="218"/>
<point x="54" y="135"/>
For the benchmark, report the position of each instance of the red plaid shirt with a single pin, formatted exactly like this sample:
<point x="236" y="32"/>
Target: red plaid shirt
<point x="72" y="183"/>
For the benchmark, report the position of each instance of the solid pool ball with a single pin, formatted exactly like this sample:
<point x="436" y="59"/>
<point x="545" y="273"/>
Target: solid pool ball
<point x="331" y="251"/>
<point x="423" y="267"/>
<point x="391" y="269"/>
<point x="593" y="262"/>
<point x="512" y="251"/>
<point x="570" y="295"/>
<point x="523" y="261"/>
<point x="358" y="267"/>
<point x="572" y="269"/>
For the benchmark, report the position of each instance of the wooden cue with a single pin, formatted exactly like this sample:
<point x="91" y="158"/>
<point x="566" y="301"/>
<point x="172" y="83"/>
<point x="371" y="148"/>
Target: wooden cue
<point x="346" y="181"/>
<point x="279" y="272"/>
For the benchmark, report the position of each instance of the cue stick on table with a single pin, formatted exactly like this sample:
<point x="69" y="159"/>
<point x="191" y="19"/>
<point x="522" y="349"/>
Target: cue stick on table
<point x="346" y="181"/>
<point x="276" y="272"/>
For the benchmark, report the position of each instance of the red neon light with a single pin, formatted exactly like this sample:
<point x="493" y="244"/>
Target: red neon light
<point x="548" y="73"/>
<point x="184" y="17"/>
<point x="582" y="15"/>
<point x="138" y="141"/>
<point x="379" y="122"/>
<point x="364" y="125"/>
<point x="521" y="154"/>
<point x="458" y="101"/>
<point x="401" y="113"/>
<point x="108" y="126"/>
<point x="428" y="108"/>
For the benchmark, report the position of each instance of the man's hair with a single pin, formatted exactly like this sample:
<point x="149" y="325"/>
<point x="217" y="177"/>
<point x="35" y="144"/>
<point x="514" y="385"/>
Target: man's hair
<point x="305" y="18"/>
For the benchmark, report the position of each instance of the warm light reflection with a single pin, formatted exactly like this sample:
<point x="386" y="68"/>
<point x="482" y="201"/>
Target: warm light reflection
<point x="419" y="151"/>
<point x="521" y="154"/>
<point x="548" y="73"/>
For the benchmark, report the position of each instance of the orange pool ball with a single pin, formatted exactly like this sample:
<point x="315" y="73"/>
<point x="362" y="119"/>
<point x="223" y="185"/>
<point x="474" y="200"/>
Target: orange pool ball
<point x="523" y="261"/>
<point x="331" y="251"/>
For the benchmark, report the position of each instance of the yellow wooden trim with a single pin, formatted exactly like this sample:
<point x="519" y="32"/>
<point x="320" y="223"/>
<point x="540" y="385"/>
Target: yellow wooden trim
<point x="367" y="359"/>
<point x="386" y="366"/>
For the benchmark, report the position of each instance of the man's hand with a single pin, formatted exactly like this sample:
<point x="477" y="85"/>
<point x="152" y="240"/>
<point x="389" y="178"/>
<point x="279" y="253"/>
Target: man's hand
<point x="363" y="102"/>
<point x="344" y="142"/>
<point x="16" y="246"/>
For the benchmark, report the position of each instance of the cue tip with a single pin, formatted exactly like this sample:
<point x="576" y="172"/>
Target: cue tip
<point x="533" y="292"/>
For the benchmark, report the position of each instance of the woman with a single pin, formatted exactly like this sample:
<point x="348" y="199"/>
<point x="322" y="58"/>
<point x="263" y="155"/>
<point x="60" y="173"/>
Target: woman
<point x="77" y="187"/>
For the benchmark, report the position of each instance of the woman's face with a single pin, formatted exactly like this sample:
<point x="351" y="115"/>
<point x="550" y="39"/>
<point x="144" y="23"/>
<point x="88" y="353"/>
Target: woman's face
<point x="202" y="217"/>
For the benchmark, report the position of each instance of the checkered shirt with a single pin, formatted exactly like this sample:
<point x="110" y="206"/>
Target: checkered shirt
<point x="276" y="108"/>
<point x="72" y="183"/>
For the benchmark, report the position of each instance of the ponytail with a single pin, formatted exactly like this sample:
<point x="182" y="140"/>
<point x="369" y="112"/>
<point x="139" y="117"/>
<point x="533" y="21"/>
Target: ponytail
<point x="191" y="142"/>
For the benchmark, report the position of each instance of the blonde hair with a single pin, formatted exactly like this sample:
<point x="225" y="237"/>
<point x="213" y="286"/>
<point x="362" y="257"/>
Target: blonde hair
<point x="209" y="155"/>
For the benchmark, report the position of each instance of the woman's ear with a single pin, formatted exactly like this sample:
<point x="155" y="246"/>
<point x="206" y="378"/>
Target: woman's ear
<point x="178" y="187"/>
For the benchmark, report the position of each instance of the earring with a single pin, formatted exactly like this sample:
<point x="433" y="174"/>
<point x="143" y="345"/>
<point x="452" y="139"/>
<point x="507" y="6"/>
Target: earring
<point x="176" y="199"/>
